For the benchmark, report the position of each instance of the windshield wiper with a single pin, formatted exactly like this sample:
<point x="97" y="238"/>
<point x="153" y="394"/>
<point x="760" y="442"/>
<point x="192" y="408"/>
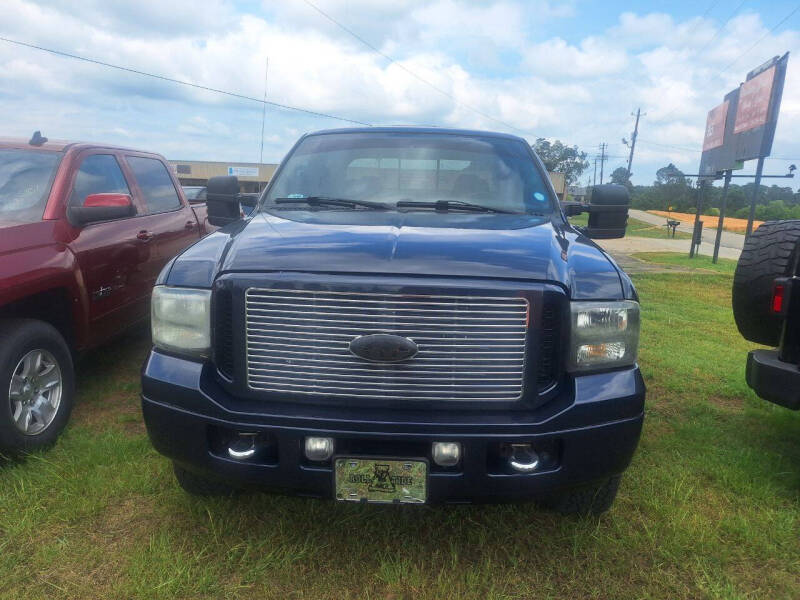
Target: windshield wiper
<point x="445" y="205"/>
<point x="328" y="201"/>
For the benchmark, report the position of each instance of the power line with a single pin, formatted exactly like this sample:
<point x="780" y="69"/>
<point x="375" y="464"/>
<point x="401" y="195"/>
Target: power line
<point x="180" y="82"/>
<point x="761" y="39"/>
<point x="412" y="73"/>
<point x="711" y="41"/>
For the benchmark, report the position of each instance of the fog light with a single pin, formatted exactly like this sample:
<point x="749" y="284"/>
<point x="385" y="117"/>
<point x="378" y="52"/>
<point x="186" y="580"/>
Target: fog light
<point x="446" y="454"/>
<point x="319" y="448"/>
<point x="243" y="447"/>
<point x="523" y="458"/>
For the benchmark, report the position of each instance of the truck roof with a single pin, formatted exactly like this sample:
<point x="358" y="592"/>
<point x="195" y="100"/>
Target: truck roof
<point x="61" y="145"/>
<point x="415" y="129"/>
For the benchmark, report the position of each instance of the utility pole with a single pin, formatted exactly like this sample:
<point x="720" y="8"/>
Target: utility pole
<point x="634" y="135"/>
<point x="594" y="178"/>
<point x="603" y="159"/>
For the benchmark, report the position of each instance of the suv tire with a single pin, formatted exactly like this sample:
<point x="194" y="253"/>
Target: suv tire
<point x="37" y="385"/>
<point x="197" y="485"/>
<point x="585" y="500"/>
<point x="771" y="251"/>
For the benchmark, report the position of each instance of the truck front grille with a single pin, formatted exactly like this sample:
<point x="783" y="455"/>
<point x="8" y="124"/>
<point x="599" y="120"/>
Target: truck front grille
<point x="470" y="347"/>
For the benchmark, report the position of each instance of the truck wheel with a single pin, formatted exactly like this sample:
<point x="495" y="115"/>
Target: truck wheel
<point x="197" y="485"/>
<point x="771" y="251"/>
<point x="37" y="385"/>
<point x="586" y="500"/>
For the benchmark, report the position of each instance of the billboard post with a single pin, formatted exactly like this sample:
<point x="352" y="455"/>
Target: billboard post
<point x="752" y="215"/>
<point x="722" y="207"/>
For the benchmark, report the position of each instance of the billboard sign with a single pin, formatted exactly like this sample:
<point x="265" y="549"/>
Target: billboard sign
<point x="757" y="112"/>
<point x="243" y="171"/>
<point x="754" y="97"/>
<point x="743" y="126"/>
<point x="718" y="154"/>
<point x="715" y="126"/>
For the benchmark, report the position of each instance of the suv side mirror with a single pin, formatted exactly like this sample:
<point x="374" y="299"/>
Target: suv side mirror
<point x="101" y="207"/>
<point x="222" y="200"/>
<point x="608" y="212"/>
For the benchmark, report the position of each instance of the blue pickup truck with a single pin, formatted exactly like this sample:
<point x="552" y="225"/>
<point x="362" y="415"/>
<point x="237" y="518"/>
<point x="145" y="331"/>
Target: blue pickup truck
<point x="406" y="317"/>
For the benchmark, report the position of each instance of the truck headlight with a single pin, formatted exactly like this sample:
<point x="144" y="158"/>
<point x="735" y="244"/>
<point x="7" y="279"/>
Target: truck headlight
<point x="181" y="320"/>
<point x="603" y="335"/>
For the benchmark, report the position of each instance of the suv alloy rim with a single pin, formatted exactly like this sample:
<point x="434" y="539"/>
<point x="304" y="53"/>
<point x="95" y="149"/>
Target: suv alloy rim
<point x="35" y="392"/>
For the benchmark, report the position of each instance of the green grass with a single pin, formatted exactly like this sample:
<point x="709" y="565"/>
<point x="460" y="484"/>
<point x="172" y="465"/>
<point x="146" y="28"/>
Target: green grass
<point x="680" y="259"/>
<point x="709" y="508"/>
<point x="637" y="228"/>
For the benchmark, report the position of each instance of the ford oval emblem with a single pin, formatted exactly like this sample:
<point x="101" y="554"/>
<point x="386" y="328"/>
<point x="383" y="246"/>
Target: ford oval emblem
<point x="383" y="347"/>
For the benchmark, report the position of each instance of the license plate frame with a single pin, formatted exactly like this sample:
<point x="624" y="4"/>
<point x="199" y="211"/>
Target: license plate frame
<point x="380" y="479"/>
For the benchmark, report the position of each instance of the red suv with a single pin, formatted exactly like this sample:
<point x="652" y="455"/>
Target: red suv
<point x="84" y="231"/>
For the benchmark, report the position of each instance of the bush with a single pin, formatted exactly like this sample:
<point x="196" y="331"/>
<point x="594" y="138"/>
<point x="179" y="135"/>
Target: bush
<point x="712" y="211"/>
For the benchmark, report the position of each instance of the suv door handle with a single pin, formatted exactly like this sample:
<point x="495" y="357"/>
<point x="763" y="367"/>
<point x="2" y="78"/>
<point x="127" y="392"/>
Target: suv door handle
<point x="144" y="235"/>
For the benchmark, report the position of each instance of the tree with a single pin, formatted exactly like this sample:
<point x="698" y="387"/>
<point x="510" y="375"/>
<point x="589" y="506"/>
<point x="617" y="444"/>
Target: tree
<point x="670" y="175"/>
<point x="560" y="158"/>
<point x="620" y="177"/>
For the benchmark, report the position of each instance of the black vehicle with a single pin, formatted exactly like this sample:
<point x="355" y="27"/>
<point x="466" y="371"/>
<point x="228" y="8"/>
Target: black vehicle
<point x="407" y="317"/>
<point x="766" y="306"/>
<point x="194" y="193"/>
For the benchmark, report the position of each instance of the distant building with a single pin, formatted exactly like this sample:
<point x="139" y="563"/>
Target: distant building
<point x="559" y="183"/>
<point x="577" y="192"/>
<point x="253" y="177"/>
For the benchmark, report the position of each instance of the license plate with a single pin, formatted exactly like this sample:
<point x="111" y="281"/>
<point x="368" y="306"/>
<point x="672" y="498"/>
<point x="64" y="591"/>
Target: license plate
<point x="380" y="480"/>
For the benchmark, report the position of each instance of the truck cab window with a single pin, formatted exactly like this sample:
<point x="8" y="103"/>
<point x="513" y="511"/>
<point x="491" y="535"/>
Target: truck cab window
<point x="156" y="184"/>
<point x="25" y="181"/>
<point x="98" y="174"/>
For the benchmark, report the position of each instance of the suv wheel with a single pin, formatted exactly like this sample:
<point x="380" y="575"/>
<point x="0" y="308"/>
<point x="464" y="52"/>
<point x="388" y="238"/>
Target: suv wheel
<point x="197" y="485"/>
<point x="772" y="251"/>
<point x="585" y="500"/>
<point x="37" y="385"/>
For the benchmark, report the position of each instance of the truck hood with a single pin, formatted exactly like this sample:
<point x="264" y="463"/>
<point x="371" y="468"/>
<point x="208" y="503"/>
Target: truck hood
<point x="521" y="247"/>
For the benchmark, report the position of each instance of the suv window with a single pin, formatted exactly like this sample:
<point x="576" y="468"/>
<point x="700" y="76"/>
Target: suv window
<point x="156" y="184"/>
<point x="99" y="174"/>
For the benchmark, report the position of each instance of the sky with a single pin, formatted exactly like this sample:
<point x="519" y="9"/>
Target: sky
<point x="573" y="70"/>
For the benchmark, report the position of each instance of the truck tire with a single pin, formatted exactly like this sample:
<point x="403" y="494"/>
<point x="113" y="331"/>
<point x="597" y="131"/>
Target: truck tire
<point x="771" y="251"/>
<point x="37" y="385"/>
<point x="585" y="500"/>
<point x="197" y="485"/>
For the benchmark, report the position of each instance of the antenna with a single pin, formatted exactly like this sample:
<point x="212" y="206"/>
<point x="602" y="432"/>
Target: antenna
<point x="263" y="118"/>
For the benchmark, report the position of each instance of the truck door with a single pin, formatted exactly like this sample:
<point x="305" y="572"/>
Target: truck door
<point x="111" y="254"/>
<point x="175" y="225"/>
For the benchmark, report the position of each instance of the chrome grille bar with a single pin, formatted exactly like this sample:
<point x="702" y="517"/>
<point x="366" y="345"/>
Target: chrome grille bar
<point x="470" y="347"/>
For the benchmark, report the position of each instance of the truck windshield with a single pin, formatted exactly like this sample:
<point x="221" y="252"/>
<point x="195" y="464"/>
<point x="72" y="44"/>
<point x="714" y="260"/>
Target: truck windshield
<point x="25" y="180"/>
<point x="411" y="172"/>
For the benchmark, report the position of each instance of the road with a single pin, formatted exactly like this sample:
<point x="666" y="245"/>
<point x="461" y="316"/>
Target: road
<point x="728" y="239"/>
<point x="622" y="249"/>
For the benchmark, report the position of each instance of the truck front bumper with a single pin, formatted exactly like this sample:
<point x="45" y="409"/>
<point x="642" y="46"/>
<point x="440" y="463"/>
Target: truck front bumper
<point x="587" y="435"/>
<point x="772" y="379"/>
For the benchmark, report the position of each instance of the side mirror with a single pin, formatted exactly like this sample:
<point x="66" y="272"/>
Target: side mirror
<point x="222" y="200"/>
<point x="608" y="212"/>
<point x="101" y="207"/>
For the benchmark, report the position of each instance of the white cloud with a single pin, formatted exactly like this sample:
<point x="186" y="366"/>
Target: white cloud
<point x="494" y="56"/>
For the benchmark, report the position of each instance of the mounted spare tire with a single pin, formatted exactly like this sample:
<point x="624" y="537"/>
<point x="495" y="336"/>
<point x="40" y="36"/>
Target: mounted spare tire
<point x="773" y="250"/>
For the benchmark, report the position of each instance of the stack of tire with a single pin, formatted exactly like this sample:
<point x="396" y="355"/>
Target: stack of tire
<point x="772" y="251"/>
